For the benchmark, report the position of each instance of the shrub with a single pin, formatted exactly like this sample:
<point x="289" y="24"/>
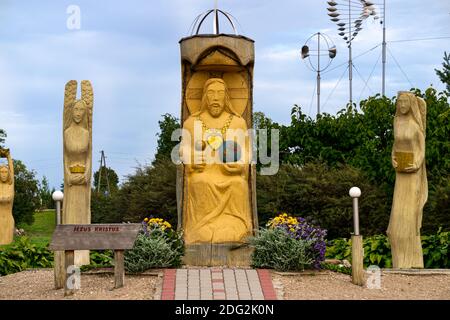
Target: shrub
<point x="436" y="250"/>
<point x="26" y="197"/>
<point x="103" y="208"/>
<point x="156" y="246"/>
<point x="377" y="250"/>
<point x="99" y="259"/>
<point x="320" y="193"/>
<point x="151" y="188"/>
<point x="299" y="229"/>
<point x="275" y="248"/>
<point x="22" y="255"/>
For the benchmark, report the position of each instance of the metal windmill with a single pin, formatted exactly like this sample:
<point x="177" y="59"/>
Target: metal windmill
<point x="326" y="50"/>
<point x="349" y="16"/>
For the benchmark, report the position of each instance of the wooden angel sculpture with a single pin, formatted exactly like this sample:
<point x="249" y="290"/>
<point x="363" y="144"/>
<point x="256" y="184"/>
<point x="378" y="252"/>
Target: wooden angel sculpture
<point x="411" y="187"/>
<point x="6" y="199"/>
<point x="77" y="137"/>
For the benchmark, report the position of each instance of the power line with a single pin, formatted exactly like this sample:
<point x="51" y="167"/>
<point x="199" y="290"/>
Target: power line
<point x="356" y="57"/>
<point x="100" y="171"/>
<point x="359" y="74"/>
<point x="332" y="91"/>
<point x="398" y="65"/>
<point x="370" y="75"/>
<point x="419" y="39"/>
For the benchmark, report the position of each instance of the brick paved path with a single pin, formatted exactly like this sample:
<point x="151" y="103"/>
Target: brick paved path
<point x="217" y="284"/>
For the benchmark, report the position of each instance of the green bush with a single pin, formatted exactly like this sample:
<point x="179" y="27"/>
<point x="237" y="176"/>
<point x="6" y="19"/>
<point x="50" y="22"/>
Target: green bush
<point x="320" y="193"/>
<point x="26" y="197"/>
<point x="99" y="259"/>
<point x="337" y="268"/>
<point x="155" y="249"/>
<point x="436" y="249"/>
<point x="377" y="250"/>
<point x="104" y="208"/>
<point x="22" y="255"/>
<point x="151" y="189"/>
<point x="275" y="249"/>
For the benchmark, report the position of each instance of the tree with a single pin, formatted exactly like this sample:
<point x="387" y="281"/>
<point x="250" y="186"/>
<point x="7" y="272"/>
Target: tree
<point x="165" y="144"/>
<point x="26" y="198"/>
<point x="45" y="194"/>
<point x="444" y="74"/>
<point x="363" y="140"/>
<point x="319" y="193"/>
<point x="113" y="179"/>
<point x="151" y="190"/>
<point x="2" y="137"/>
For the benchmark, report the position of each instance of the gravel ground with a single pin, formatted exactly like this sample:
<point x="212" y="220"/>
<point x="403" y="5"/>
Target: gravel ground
<point x="38" y="285"/>
<point x="330" y="285"/>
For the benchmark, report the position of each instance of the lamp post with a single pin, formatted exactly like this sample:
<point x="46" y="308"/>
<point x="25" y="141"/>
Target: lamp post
<point x="357" y="241"/>
<point x="59" y="267"/>
<point x="354" y="12"/>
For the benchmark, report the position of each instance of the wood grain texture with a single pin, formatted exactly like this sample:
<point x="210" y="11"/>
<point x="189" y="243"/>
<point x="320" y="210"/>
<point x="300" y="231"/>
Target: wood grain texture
<point x="119" y="269"/>
<point x="357" y="260"/>
<point x="94" y="237"/>
<point x="59" y="269"/>
<point x="411" y="184"/>
<point x="69" y="260"/>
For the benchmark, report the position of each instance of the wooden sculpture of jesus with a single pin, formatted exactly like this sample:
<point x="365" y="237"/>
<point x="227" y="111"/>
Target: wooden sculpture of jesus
<point x="217" y="204"/>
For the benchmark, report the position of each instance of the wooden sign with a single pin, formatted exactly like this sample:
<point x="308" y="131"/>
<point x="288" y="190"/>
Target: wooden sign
<point x="71" y="237"/>
<point x="94" y="236"/>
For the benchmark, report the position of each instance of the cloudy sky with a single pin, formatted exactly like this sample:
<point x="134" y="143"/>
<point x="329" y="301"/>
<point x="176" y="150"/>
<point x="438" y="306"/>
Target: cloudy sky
<point x="130" y="52"/>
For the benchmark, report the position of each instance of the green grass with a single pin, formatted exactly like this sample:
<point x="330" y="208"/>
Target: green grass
<point x="41" y="231"/>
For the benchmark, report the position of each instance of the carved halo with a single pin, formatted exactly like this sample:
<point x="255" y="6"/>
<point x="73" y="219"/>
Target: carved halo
<point x="237" y="88"/>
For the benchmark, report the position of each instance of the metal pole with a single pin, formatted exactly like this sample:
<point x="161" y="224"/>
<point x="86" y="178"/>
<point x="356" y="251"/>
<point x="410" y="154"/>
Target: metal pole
<point x="383" y="77"/>
<point x="356" y="216"/>
<point x="216" y="19"/>
<point x="58" y="212"/>
<point x="350" y="63"/>
<point x="318" y="73"/>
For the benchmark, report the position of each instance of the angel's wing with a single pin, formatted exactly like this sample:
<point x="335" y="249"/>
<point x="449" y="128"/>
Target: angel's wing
<point x="70" y="95"/>
<point x="423" y="112"/>
<point x="87" y="94"/>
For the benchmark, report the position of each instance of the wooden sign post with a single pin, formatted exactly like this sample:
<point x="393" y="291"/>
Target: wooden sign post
<point x="117" y="237"/>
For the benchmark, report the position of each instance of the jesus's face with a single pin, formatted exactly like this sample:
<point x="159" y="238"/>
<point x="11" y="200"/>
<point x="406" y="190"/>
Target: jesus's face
<point x="215" y="94"/>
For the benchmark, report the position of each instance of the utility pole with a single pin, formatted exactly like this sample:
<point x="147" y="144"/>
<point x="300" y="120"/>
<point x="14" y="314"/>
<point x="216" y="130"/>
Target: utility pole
<point x="350" y="62"/>
<point x="100" y="171"/>
<point x="383" y="77"/>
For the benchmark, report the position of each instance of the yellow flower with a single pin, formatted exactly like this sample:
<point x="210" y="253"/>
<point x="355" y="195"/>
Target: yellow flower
<point x="146" y="219"/>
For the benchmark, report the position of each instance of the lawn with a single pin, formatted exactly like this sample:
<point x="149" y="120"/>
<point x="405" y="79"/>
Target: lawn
<point x="41" y="231"/>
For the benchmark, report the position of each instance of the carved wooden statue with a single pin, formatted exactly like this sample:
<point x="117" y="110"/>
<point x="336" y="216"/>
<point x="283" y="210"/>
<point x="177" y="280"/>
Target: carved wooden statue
<point x="216" y="184"/>
<point x="77" y="137"/>
<point x="218" y="206"/>
<point x="6" y="199"/>
<point x="411" y="187"/>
